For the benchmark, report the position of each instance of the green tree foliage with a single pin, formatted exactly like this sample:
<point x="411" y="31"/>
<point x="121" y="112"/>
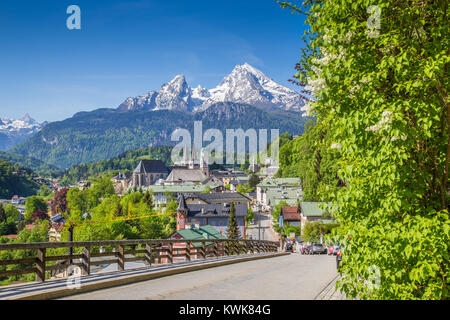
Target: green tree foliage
<point x="16" y="180"/>
<point x="35" y="203"/>
<point x="148" y="199"/>
<point x="172" y="206"/>
<point x="314" y="231"/>
<point x="45" y="192"/>
<point x="244" y="188"/>
<point x="276" y="212"/>
<point x="250" y="215"/>
<point x="232" y="227"/>
<point x="102" y="188"/>
<point x="288" y="229"/>
<point x="281" y="141"/>
<point x="2" y="213"/>
<point x="310" y="158"/>
<point x="382" y="94"/>
<point x="9" y="217"/>
<point x="38" y="234"/>
<point x="253" y="181"/>
<point x="78" y="201"/>
<point x="12" y="213"/>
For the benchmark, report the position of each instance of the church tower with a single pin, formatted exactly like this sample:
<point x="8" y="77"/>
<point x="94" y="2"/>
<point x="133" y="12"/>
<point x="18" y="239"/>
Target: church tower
<point x="204" y="162"/>
<point x="181" y="212"/>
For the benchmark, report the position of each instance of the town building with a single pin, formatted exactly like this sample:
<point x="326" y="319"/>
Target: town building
<point x="215" y="215"/>
<point x="121" y="182"/>
<point x="180" y="175"/>
<point x="289" y="195"/>
<point x="270" y="191"/>
<point x="217" y="198"/>
<point x="313" y="211"/>
<point x="162" y="194"/>
<point x="291" y="215"/>
<point x="54" y="232"/>
<point x="148" y="172"/>
<point x="15" y="200"/>
<point x="228" y="176"/>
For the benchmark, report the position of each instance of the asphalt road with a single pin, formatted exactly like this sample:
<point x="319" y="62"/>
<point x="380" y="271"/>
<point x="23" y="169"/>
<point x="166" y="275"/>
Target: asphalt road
<point x="292" y="277"/>
<point x="266" y="232"/>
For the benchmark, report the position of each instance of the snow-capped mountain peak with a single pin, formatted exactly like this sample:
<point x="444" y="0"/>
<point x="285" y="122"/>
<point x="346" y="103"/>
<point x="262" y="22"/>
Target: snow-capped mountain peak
<point x="245" y="84"/>
<point x="27" y="119"/>
<point x="13" y="131"/>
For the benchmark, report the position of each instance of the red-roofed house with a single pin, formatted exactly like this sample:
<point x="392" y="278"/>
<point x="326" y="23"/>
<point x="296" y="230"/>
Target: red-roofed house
<point x="10" y="236"/>
<point x="54" y="233"/>
<point x="15" y="200"/>
<point x="291" y="215"/>
<point x="29" y="227"/>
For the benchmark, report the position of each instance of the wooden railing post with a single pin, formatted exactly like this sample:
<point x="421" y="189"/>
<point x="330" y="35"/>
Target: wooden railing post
<point x="121" y="259"/>
<point x="170" y="253"/>
<point x="203" y="250"/>
<point x="148" y="254"/>
<point x="215" y="250"/>
<point x="40" y="265"/>
<point x="86" y="263"/>
<point x="188" y="251"/>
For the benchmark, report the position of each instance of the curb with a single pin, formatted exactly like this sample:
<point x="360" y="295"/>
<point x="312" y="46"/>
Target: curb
<point x="64" y="292"/>
<point x="328" y="287"/>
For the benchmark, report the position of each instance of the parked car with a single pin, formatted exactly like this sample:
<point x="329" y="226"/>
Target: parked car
<point x="330" y="249"/>
<point x="289" y="248"/>
<point x="336" y="249"/>
<point x="338" y="259"/>
<point x="317" y="248"/>
<point x="306" y="249"/>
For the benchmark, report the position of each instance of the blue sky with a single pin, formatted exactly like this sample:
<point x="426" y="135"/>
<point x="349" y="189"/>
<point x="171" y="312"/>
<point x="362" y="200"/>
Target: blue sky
<point x="127" y="48"/>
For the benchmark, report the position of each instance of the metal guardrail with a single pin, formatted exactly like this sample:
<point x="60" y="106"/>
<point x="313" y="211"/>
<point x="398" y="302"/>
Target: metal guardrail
<point x="151" y="251"/>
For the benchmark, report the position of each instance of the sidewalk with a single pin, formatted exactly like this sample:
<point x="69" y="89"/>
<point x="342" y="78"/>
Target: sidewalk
<point x="329" y="293"/>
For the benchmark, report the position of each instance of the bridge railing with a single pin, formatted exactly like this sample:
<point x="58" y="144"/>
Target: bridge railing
<point x="151" y="251"/>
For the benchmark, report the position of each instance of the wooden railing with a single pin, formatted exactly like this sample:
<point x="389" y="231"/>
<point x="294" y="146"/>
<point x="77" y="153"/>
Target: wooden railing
<point x="150" y="251"/>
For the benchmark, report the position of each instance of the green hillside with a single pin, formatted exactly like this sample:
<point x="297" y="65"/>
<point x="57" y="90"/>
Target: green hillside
<point x="36" y="165"/>
<point x="106" y="133"/>
<point x="16" y="180"/>
<point x="126" y="161"/>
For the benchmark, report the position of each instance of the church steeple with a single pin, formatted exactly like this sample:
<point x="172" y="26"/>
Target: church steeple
<point x="204" y="162"/>
<point x="182" y="211"/>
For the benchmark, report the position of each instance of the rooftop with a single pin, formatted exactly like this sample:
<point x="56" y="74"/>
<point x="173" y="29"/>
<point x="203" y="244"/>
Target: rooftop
<point x="151" y="166"/>
<point x="215" y="210"/>
<point x="203" y="232"/>
<point x="177" y="188"/>
<point x="184" y="174"/>
<point x="279" y="182"/>
<point x="290" y="213"/>
<point x="221" y="197"/>
<point x="313" y="209"/>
